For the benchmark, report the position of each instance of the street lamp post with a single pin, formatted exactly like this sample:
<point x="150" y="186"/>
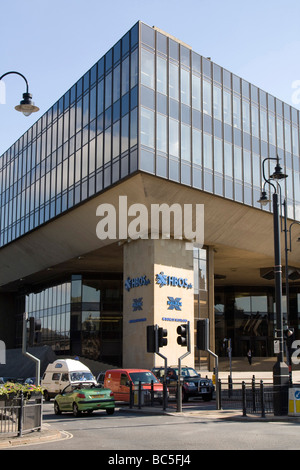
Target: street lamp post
<point x="280" y="369"/>
<point x="26" y="105"/>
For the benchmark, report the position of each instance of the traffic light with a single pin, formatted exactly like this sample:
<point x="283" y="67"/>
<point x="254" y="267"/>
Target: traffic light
<point x="34" y="331"/>
<point x="162" y="337"/>
<point x="151" y="346"/>
<point x="183" y="332"/>
<point x="203" y="334"/>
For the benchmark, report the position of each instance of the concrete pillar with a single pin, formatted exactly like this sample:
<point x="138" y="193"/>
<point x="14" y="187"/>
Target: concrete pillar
<point x="158" y="289"/>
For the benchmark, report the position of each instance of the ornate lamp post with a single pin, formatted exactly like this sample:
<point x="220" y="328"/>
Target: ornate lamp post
<point x="280" y="369"/>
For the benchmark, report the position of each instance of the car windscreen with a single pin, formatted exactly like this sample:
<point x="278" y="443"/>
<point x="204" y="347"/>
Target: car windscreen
<point x="143" y="377"/>
<point x="187" y="372"/>
<point x="81" y="376"/>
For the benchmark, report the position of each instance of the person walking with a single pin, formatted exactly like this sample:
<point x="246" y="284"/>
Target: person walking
<point x="249" y="356"/>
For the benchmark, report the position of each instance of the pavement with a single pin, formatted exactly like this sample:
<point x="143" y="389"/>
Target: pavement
<point x="49" y="434"/>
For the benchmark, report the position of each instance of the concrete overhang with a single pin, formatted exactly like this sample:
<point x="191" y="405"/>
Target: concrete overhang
<point x="242" y="237"/>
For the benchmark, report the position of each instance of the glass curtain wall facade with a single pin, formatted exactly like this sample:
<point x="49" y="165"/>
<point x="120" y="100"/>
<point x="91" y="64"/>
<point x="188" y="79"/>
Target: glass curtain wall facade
<point x="84" y="143"/>
<point x="81" y="317"/>
<point x="207" y="128"/>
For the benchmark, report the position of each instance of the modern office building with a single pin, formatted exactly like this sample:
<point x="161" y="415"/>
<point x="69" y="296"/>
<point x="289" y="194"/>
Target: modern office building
<point x="151" y="123"/>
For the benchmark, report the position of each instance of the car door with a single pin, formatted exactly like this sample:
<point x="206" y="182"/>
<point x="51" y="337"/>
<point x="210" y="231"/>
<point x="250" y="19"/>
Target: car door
<point x="66" y="399"/>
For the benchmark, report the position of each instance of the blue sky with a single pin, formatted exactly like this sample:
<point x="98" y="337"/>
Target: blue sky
<point x="54" y="42"/>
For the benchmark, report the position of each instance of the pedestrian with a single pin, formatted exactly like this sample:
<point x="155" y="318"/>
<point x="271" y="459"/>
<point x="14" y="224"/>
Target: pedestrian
<point x="249" y="356"/>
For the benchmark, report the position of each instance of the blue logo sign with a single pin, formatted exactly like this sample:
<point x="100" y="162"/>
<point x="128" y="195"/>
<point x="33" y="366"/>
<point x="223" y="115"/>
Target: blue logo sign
<point x="297" y="395"/>
<point x="164" y="280"/>
<point x="137" y="304"/>
<point x="174" y="304"/>
<point x="137" y="320"/>
<point x="136" y="282"/>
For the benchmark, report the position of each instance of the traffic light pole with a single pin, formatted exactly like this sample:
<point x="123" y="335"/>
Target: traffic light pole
<point x="27" y="354"/>
<point x="166" y="364"/>
<point x="179" y="388"/>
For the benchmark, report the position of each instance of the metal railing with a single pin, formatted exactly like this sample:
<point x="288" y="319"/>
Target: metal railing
<point x="252" y="398"/>
<point x="18" y="415"/>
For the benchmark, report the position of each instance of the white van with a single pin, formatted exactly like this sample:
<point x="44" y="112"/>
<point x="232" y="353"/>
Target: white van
<point x="63" y="372"/>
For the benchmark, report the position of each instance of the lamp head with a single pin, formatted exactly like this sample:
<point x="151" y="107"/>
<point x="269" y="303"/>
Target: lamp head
<point x="26" y="106"/>
<point x="278" y="174"/>
<point x="264" y="199"/>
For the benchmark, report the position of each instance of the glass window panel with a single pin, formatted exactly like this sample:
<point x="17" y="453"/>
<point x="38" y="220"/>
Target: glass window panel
<point x="196" y="92"/>
<point x="133" y="127"/>
<point x="147" y="68"/>
<point x="287" y="136"/>
<point x="217" y="95"/>
<point x="197" y="147"/>
<point x="246" y="116"/>
<point x="174" y="137"/>
<point x="125" y="76"/>
<point x="236" y="112"/>
<point x="272" y="133"/>
<point x="238" y="172"/>
<point x="256" y="165"/>
<point x="124" y="133"/>
<point x="161" y="133"/>
<point x="263" y="125"/>
<point x="227" y="107"/>
<point x="161" y="43"/>
<point x="207" y="151"/>
<point x="85" y="118"/>
<point x="279" y="125"/>
<point x="173" y="81"/>
<point x="134" y="69"/>
<point x="247" y="167"/>
<point x="100" y="97"/>
<point x="161" y="75"/>
<point x="116" y="83"/>
<point x="147" y="127"/>
<point x="116" y="139"/>
<point x="108" y="90"/>
<point x="255" y="121"/>
<point x="107" y="145"/>
<point x="218" y="155"/>
<point x="185" y="142"/>
<point x="185" y="87"/>
<point x="206" y="97"/>
<point x="228" y="167"/>
<point x="295" y="135"/>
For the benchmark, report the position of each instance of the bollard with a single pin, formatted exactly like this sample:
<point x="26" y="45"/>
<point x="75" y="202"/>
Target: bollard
<point x="21" y="411"/>
<point x="229" y="385"/>
<point x="152" y="394"/>
<point x="244" y="398"/>
<point x="140" y="395"/>
<point x="220" y="395"/>
<point x="262" y="400"/>
<point x="253" y="394"/>
<point x="131" y="395"/>
<point x="165" y="395"/>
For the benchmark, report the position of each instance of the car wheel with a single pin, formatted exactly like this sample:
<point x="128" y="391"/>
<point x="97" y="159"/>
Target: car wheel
<point x="110" y="411"/>
<point x="56" y="408"/>
<point x="46" y="396"/>
<point x="185" y="397"/>
<point x="76" y="411"/>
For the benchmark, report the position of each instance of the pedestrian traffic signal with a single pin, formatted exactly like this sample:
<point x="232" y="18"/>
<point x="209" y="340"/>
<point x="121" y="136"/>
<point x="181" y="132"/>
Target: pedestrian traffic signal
<point x="34" y="331"/>
<point x="162" y="337"/>
<point x="151" y="346"/>
<point x="183" y="332"/>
